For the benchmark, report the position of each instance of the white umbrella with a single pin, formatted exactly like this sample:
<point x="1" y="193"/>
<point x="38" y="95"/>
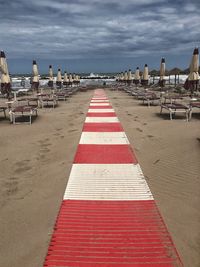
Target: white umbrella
<point x="59" y="79"/>
<point x="50" y="82"/>
<point x="125" y="76"/>
<point x="5" y="78"/>
<point x="70" y="79"/>
<point x="35" y="79"/>
<point x="145" y="76"/>
<point x="137" y="76"/>
<point x="65" y="80"/>
<point x="129" y="77"/>
<point x="193" y="77"/>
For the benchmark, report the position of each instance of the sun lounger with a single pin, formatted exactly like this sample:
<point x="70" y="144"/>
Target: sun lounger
<point x="22" y="111"/>
<point x="3" y="109"/>
<point x="176" y="108"/>
<point x="193" y="105"/>
<point x="151" y="99"/>
<point x="171" y="99"/>
<point x="46" y="100"/>
<point x="61" y="96"/>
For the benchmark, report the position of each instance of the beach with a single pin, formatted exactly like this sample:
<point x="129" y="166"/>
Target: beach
<point x="36" y="161"/>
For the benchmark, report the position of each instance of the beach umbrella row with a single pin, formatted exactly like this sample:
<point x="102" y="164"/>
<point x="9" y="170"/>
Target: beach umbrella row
<point x="136" y="78"/>
<point x="128" y="77"/>
<point x="67" y="80"/>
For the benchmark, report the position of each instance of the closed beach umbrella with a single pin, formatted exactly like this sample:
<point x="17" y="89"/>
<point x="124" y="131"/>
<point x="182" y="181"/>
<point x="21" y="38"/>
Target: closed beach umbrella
<point x="65" y="80"/>
<point x="145" y="77"/>
<point x="5" y="78"/>
<point x="59" y="79"/>
<point x="70" y="79"/>
<point x="121" y="77"/>
<point x="137" y="76"/>
<point x="162" y="73"/>
<point x="74" y="78"/>
<point x="129" y="77"/>
<point x="193" y="77"/>
<point x="125" y="76"/>
<point x="50" y="83"/>
<point x="77" y="79"/>
<point x="35" y="79"/>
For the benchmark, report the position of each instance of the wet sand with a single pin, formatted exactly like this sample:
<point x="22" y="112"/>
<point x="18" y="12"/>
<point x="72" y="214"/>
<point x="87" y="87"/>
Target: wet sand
<point x="36" y="161"/>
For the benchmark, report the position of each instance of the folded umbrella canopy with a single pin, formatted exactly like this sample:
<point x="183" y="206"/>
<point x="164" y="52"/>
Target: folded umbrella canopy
<point x="121" y="77"/>
<point x="193" y="77"/>
<point x="125" y="77"/>
<point x="5" y="78"/>
<point x="50" y="82"/>
<point x="76" y="79"/>
<point x="145" y="76"/>
<point x="35" y="78"/>
<point x="70" y="79"/>
<point x="129" y="80"/>
<point x="65" y="80"/>
<point x="59" y="79"/>
<point x="137" y="76"/>
<point x="162" y="73"/>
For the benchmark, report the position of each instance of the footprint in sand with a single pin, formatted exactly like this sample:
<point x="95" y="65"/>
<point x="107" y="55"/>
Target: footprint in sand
<point x="22" y="169"/>
<point x="73" y="130"/>
<point x="155" y="162"/>
<point x="11" y="187"/>
<point x="22" y="166"/>
<point x="138" y="129"/>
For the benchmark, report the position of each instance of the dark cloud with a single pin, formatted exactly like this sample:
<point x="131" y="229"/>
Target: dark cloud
<point x="80" y="29"/>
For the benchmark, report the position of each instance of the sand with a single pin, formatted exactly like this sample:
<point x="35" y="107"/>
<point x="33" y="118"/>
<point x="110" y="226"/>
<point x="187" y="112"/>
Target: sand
<point x="36" y="161"/>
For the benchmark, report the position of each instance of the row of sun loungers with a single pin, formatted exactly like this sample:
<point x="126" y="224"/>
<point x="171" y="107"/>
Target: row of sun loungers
<point x="172" y="103"/>
<point x="27" y="107"/>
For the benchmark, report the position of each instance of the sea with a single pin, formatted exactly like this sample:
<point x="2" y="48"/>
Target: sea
<point x="21" y="83"/>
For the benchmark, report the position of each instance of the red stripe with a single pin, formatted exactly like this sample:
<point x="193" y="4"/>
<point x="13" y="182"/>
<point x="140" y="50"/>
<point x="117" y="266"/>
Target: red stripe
<point x="104" y="154"/>
<point x="101" y="114"/>
<point x="102" y="127"/>
<point x="118" y="247"/>
<point x="99" y="107"/>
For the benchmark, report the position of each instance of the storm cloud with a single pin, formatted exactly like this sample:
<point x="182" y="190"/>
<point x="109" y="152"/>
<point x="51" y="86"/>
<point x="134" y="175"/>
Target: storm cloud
<point x="99" y="31"/>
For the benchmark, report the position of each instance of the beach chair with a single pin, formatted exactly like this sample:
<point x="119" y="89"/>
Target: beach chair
<point x="194" y="105"/>
<point x="46" y="100"/>
<point x="176" y="108"/>
<point x="151" y="99"/>
<point x="22" y="111"/>
<point x="3" y="109"/>
<point x="63" y="95"/>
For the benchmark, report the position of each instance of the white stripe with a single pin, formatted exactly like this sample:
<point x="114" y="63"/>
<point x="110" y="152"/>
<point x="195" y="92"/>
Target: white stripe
<point x="104" y="138"/>
<point x="99" y="98"/>
<point x="94" y="110"/>
<point x="99" y="104"/>
<point x="99" y="101"/>
<point x="107" y="181"/>
<point x="101" y="119"/>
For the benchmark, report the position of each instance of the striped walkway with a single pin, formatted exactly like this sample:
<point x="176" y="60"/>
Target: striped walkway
<point x="108" y="217"/>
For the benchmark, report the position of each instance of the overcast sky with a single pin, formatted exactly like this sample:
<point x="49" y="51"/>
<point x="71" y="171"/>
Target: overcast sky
<point x="98" y="35"/>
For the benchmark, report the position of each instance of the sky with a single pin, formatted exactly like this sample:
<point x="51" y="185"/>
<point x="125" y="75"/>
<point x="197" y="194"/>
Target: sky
<point x="98" y="35"/>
